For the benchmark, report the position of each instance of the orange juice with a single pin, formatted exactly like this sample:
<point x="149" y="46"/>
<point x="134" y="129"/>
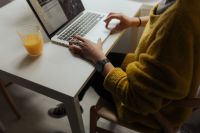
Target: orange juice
<point x="33" y="44"/>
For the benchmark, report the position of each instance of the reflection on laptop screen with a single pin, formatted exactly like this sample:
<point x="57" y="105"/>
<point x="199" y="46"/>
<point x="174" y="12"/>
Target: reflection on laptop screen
<point x="55" y="13"/>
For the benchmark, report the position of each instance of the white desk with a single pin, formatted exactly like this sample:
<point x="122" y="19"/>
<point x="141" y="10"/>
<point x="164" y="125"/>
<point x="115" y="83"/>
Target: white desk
<point x="57" y="73"/>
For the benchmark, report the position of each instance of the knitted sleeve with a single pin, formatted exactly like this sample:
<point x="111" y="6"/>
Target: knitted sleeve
<point x="130" y="57"/>
<point x="161" y="74"/>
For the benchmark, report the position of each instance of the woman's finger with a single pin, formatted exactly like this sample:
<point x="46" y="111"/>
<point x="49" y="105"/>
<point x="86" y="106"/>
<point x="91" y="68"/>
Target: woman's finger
<point x="107" y="20"/>
<point x="112" y="13"/>
<point x="116" y="29"/>
<point x="75" y="49"/>
<point x="112" y="17"/>
<point x="80" y="38"/>
<point x="99" y="43"/>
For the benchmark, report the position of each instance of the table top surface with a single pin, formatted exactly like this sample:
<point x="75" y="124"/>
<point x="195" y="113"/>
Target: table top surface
<point x="56" y="69"/>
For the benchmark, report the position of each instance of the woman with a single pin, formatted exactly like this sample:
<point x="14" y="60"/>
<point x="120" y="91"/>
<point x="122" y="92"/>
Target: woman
<point x="165" y="66"/>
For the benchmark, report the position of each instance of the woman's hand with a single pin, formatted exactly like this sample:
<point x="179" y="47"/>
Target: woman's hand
<point x="125" y="21"/>
<point x="88" y="49"/>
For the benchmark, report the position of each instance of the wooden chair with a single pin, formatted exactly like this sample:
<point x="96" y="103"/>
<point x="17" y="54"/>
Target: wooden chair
<point x="2" y="128"/>
<point x="104" y="110"/>
<point x="9" y="99"/>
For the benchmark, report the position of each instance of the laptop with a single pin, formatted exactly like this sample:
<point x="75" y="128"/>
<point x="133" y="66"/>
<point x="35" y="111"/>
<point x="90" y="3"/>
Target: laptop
<point x="62" y="19"/>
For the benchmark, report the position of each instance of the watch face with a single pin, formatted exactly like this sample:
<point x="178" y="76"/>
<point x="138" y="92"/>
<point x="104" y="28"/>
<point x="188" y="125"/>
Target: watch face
<point x="99" y="67"/>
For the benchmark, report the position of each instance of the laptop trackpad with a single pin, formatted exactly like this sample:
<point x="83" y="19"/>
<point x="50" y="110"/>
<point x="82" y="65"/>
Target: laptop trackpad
<point x="99" y="31"/>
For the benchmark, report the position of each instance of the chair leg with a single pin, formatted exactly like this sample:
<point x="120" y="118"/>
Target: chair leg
<point x="2" y="128"/>
<point x="9" y="100"/>
<point x="93" y="119"/>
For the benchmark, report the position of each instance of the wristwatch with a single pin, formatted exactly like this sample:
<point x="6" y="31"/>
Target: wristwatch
<point x="99" y="66"/>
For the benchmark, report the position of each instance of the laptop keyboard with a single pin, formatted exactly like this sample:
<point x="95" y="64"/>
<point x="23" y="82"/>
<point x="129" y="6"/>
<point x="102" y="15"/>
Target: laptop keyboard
<point x="82" y="26"/>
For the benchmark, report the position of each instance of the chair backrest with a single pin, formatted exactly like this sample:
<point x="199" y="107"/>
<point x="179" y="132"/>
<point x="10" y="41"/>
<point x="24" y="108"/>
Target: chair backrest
<point x="193" y="103"/>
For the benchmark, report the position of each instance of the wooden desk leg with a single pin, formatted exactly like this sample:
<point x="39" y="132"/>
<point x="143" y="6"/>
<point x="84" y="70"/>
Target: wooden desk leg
<point x="9" y="100"/>
<point x="74" y="115"/>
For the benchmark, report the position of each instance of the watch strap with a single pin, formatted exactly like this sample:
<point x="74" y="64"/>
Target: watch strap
<point x="100" y="64"/>
<point x="104" y="61"/>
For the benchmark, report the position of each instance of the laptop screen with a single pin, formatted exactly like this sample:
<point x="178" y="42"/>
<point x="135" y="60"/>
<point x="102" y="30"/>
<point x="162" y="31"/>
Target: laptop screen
<point x="55" y="13"/>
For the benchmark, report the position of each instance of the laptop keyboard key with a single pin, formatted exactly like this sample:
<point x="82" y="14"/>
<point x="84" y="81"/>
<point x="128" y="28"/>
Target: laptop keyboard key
<point x="82" y="26"/>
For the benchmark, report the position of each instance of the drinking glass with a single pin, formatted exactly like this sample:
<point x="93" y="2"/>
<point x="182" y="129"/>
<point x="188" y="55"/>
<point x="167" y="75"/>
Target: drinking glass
<point x="32" y="39"/>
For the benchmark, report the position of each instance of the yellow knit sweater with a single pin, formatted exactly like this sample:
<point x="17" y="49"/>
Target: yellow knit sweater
<point x="164" y="67"/>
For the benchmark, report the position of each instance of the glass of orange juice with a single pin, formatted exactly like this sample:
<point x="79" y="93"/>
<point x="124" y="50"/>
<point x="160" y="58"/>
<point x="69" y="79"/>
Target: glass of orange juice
<point x="32" y="39"/>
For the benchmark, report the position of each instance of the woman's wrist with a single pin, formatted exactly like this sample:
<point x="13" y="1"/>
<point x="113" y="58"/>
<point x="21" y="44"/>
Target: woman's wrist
<point x="98" y="58"/>
<point x="139" y="21"/>
<point x="144" y="20"/>
<point x="101" y="57"/>
<point x="135" y="21"/>
<point x="107" y="68"/>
